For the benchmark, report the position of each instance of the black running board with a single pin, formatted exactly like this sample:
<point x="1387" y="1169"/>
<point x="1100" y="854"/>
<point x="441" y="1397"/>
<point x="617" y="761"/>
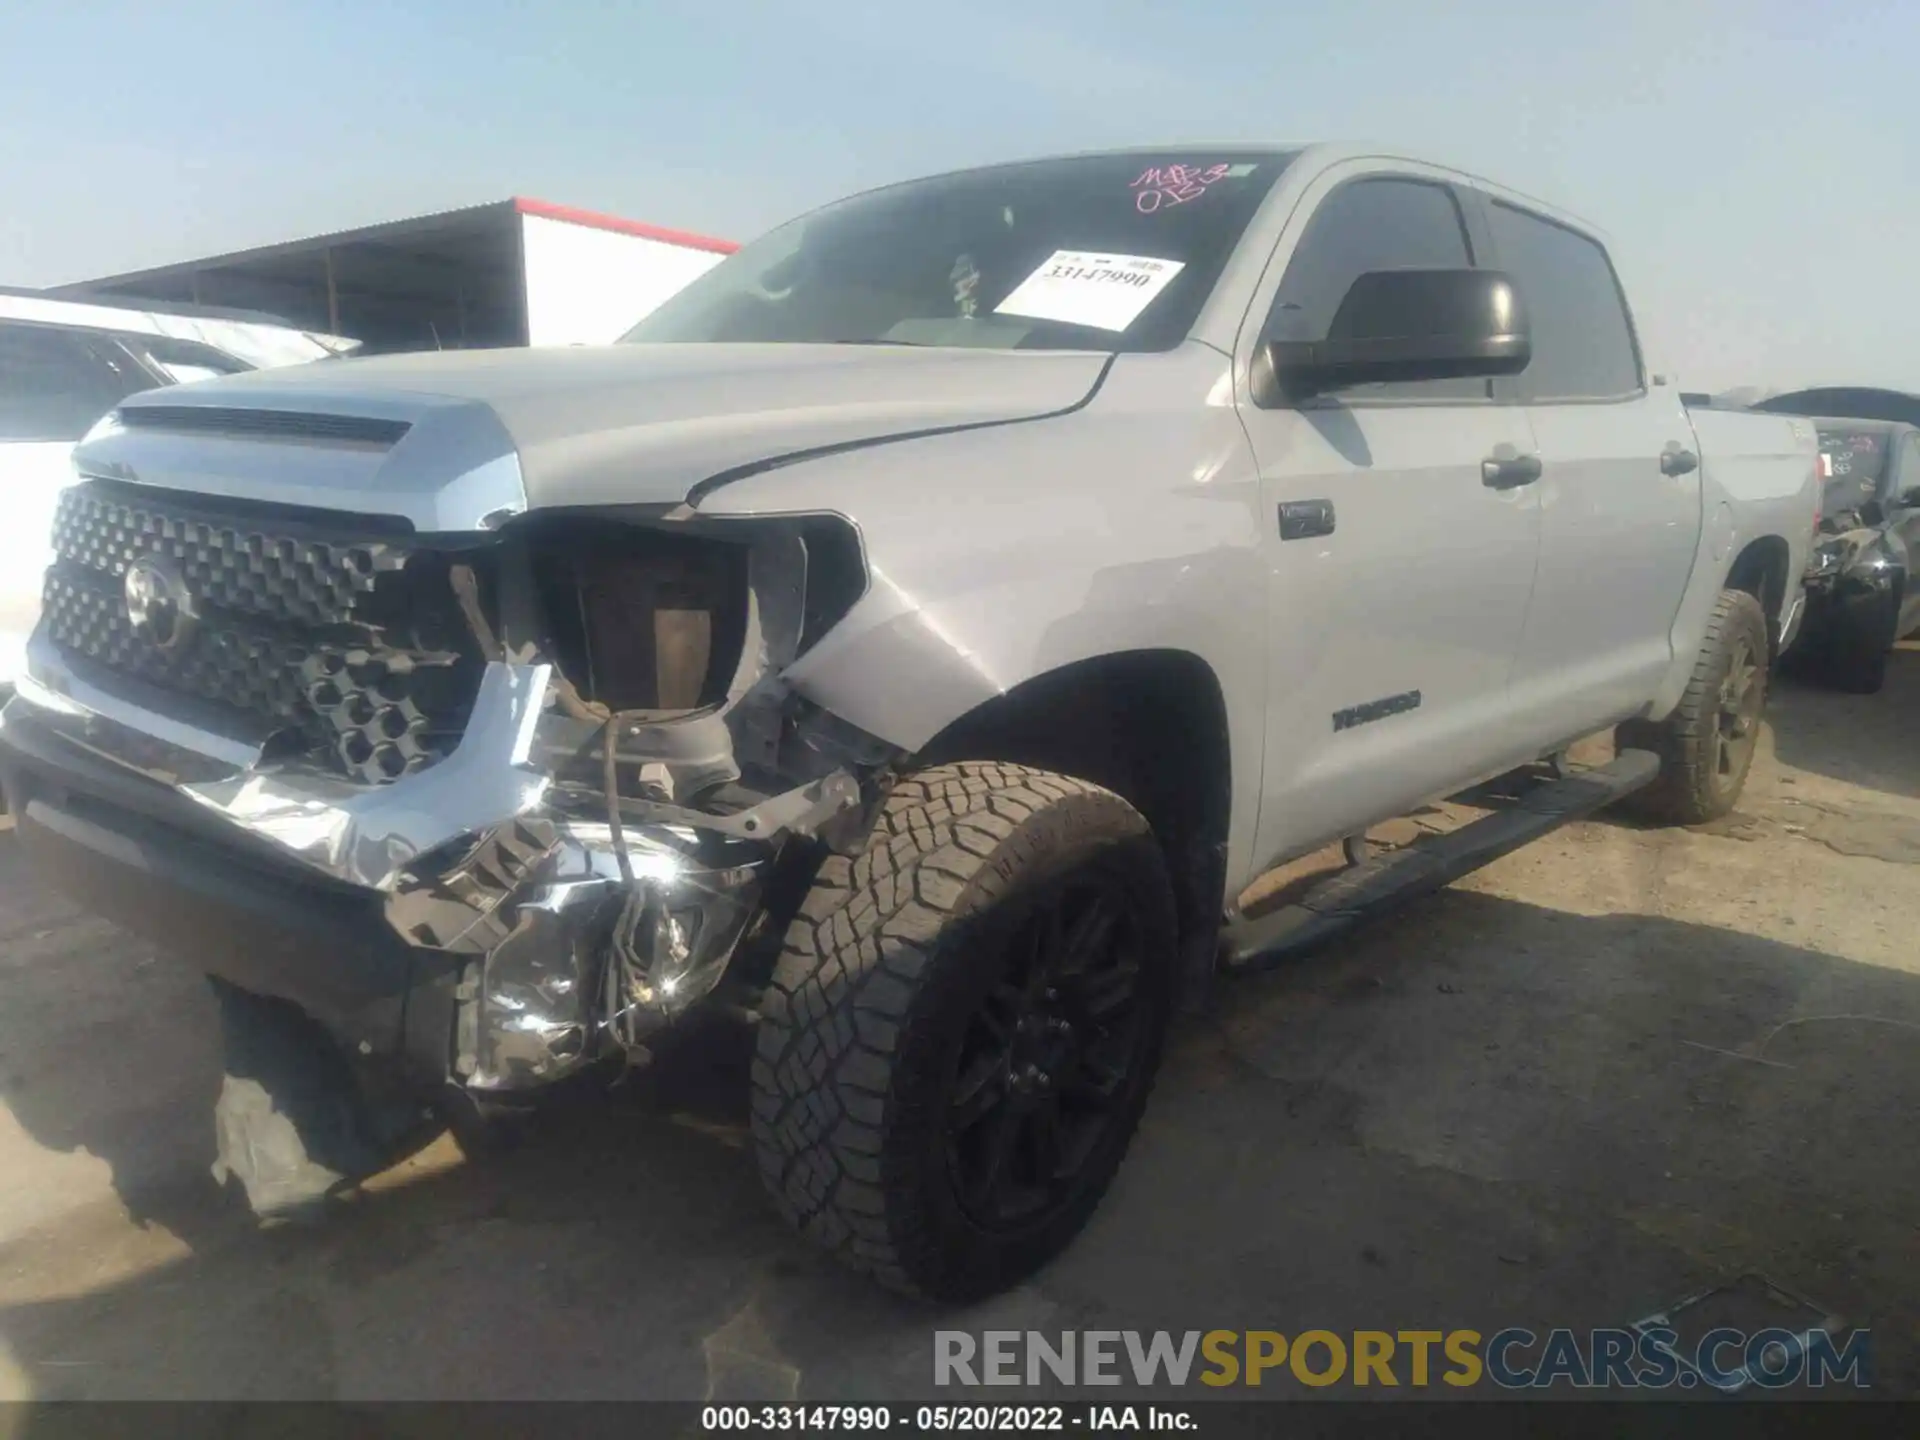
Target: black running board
<point x="1370" y="889"/>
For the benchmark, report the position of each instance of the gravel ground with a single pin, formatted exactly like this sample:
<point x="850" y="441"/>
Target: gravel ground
<point x="1603" y="1072"/>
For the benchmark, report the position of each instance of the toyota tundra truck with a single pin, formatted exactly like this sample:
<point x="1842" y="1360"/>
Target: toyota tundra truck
<point x="910" y="641"/>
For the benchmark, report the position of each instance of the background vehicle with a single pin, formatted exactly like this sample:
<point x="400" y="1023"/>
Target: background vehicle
<point x="1860" y="595"/>
<point x="62" y="366"/>
<point x="1863" y="402"/>
<point x="919" y="635"/>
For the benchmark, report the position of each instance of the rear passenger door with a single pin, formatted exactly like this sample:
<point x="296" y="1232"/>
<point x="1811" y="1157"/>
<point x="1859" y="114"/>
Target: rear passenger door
<point x="1398" y="576"/>
<point x="1618" y="527"/>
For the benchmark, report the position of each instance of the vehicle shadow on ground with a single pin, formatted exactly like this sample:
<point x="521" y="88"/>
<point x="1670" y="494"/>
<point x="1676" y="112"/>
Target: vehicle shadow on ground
<point x="1868" y="740"/>
<point x="1478" y="1114"/>
<point x="107" y="1050"/>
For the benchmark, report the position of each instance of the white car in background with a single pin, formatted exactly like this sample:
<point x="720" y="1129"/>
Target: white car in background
<point x="64" y="364"/>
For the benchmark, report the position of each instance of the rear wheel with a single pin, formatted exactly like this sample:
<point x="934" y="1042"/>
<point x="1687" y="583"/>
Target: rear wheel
<point x="1706" y="746"/>
<point x="963" y="1027"/>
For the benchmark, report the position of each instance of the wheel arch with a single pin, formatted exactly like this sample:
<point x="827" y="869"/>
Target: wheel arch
<point x="1761" y="570"/>
<point x="1151" y="725"/>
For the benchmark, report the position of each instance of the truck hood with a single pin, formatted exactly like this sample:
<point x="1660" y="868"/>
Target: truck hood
<point x="434" y="436"/>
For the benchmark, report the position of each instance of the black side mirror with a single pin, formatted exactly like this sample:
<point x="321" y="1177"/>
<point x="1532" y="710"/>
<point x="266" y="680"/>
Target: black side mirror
<point x="1398" y="325"/>
<point x="1910" y="499"/>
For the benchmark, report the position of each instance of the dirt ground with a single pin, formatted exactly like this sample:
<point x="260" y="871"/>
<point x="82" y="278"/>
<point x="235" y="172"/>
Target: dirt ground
<point x="1604" y="1072"/>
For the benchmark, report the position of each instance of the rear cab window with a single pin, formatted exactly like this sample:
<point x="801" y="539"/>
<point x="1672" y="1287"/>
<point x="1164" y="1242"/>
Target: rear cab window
<point x="54" y="383"/>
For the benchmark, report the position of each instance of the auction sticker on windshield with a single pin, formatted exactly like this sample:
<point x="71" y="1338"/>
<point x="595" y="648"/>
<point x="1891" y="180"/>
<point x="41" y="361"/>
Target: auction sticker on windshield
<point x="1078" y="287"/>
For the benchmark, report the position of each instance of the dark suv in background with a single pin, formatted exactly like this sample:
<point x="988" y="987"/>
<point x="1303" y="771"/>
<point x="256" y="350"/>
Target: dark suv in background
<point x="1861" y="598"/>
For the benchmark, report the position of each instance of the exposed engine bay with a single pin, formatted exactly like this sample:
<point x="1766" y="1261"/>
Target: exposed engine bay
<point x="561" y="754"/>
<point x="683" y="774"/>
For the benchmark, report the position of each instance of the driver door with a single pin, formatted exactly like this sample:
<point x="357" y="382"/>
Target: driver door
<point x="1399" y="574"/>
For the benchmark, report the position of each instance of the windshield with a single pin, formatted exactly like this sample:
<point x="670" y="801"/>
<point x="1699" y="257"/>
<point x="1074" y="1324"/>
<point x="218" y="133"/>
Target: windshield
<point x="1102" y="252"/>
<point x="1852" y="463"/>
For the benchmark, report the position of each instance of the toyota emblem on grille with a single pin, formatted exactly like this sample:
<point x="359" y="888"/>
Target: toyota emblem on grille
<point x="159" y="604"/>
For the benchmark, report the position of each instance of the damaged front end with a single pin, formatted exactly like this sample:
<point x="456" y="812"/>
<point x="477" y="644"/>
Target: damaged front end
<point x="558" y="758"/>
<point x="562" y="953"/>
<point x="679" y="771"/>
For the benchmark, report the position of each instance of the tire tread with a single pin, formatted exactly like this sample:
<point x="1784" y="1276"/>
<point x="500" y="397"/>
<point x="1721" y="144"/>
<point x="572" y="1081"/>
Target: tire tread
<point x="856" y="960"/>
<point x="1683" y="794"/>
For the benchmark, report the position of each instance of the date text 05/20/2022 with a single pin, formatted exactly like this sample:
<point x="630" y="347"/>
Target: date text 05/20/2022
<point x="922" y="1419"/>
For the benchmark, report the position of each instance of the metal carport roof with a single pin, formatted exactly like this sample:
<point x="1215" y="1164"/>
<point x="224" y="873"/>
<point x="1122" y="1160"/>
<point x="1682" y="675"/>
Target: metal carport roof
<point x="450" y="280"/>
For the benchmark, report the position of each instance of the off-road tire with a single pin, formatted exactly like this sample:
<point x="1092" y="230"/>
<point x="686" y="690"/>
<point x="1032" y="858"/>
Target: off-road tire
<point x="1691" y="789"/>
<point x="892" y="953"/>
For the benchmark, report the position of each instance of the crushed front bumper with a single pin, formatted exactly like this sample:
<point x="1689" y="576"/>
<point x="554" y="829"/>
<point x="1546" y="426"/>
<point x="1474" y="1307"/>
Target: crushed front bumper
<point x="462" y="922"/>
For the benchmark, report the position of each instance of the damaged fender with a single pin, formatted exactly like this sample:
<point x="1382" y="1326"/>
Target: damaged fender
<point x="676" y="782"/>
<point x="966" y="602"/>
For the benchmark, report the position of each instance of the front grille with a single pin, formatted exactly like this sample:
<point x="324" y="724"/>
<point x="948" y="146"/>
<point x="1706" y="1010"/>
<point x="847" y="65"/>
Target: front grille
<point x="236" y="567"/>
<point x="343" y="648"/>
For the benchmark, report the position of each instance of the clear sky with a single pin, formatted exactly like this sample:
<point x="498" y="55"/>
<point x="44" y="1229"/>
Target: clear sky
<point x="1756" y="162"/>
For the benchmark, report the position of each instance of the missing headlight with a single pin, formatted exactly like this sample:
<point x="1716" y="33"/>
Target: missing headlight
<point x="638" y="620"/>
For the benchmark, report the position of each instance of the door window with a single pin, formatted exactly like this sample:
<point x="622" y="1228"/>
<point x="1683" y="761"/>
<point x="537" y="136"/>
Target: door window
<point x="1374" y="224"/>
<point x="1582" y="339"/>
<point x="55" y="383"/>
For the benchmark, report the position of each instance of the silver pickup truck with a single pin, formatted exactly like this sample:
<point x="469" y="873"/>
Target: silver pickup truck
<point x="912" y="642"/>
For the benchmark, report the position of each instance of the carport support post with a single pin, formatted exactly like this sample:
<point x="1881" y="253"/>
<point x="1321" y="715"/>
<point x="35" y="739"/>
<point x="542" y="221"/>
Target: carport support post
<point x="333" y="296"/>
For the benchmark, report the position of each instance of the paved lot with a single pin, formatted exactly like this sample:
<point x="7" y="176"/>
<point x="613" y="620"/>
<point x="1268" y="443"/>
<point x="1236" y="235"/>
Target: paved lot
<point x="1598" y="1075"/>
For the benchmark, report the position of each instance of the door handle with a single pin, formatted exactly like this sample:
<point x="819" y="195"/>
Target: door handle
<point x="1305" y="519"/>
<point x="1509" y="473"/>
<point x="1677" y="460"/>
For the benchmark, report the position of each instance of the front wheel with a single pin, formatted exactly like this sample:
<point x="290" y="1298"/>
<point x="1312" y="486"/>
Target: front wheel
<point x="963" y="1026"/>
<point x="1706" y="746"/>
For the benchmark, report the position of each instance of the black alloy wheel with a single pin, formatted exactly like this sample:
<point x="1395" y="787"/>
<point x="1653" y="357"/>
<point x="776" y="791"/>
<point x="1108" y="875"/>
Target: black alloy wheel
<point x="1743" y="694"/>
<point x="1046" y="1058"/>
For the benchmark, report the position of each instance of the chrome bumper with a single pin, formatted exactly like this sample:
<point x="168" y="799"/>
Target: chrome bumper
<point x="560" y="956"/>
